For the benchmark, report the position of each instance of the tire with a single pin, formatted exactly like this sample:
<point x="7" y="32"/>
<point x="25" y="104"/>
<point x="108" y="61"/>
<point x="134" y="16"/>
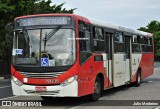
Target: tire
<point x="138" y="79"/>
<point x="97" y="90"/>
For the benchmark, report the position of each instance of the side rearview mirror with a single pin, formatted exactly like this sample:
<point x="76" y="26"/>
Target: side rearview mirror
<point x="9" y="32"/>
<point x="9" y="28"/>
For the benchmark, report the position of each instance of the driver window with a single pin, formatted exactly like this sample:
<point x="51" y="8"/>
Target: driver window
<point x="84" y="41"/>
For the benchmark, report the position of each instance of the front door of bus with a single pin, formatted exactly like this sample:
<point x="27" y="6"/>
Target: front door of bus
<point x="119" y="60"/>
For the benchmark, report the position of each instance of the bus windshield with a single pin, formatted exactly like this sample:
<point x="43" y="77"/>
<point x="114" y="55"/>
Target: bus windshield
<point x="44" y="47"/>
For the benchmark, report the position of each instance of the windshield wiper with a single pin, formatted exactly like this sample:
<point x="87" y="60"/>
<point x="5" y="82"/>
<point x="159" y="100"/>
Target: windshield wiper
<point x="51" y="34"/>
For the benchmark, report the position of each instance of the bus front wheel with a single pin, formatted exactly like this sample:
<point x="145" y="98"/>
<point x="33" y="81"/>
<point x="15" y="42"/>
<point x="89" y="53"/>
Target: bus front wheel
<point x="97" y="90"/>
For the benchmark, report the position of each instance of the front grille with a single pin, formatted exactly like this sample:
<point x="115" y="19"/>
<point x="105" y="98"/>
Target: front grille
<point x="43" y="92"/>
<point x="42" y="75"/>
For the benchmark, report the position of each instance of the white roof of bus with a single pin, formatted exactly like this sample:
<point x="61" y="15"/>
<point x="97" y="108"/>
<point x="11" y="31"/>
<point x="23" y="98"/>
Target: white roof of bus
<point x="120" y="28"/>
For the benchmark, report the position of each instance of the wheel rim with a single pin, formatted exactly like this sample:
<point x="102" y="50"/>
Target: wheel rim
<point x="96" y="88"/>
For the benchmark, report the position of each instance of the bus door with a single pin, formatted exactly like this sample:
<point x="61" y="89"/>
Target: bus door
<point x="136" y="54"/>
<point x="108" y="38"/>
<point x="119" y="60"/>
<point x="128" y="61"/>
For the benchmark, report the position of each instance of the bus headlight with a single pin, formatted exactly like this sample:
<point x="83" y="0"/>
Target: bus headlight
<point x="69" y="80"/>
<point x="16" y="81"/>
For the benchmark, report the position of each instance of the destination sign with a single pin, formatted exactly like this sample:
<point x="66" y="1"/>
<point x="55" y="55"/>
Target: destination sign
<point x="30" y="60"/>
<point x="43" y="21"/>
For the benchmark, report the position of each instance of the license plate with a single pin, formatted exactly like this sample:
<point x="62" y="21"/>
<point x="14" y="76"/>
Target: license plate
<point x="40" y="88"/>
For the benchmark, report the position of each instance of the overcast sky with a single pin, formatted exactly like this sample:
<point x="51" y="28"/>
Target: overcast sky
<point x="127" y="13"/>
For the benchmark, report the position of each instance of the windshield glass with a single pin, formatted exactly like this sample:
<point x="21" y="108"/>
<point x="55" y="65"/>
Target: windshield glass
<point x="44" y="47"/>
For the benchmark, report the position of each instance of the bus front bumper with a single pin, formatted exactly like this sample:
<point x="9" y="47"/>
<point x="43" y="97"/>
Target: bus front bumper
<point x="70" y="90"/>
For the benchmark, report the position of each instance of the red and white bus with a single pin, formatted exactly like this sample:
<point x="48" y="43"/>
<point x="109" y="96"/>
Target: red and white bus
<point x="67" y="55"/>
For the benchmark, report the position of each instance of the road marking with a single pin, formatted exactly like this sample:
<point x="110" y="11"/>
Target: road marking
<point x="5" y="87"/>
<point x="8" y="97"/>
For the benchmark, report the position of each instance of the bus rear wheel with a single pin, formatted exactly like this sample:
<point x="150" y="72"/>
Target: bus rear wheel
<point x="97" y="90"/>
<point x="138" y="79"/>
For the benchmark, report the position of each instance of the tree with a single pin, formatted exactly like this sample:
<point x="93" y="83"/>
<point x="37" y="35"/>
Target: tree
<point x="9" y="9"/>
<point x="44" y="7"/>
<point x="154" y="28"/>
<point x="157" y="45"/>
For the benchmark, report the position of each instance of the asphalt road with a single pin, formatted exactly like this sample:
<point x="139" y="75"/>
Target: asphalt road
<point x="5" y="88"/>
<point x="149" y="90"/>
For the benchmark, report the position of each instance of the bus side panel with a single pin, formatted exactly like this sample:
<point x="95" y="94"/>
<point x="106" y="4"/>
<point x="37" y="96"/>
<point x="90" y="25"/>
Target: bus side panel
<point x="107" y="72"/>
<point x="86" y="78"/>
<point x="136" y="63"/>
<point x="147" y="65"/>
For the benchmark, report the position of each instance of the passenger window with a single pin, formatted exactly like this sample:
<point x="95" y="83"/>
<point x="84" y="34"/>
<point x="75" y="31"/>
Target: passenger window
<point x="135" y="39"/>
<point x="150" y="39"/>
<point x="141" y="40"/>
<point x="149" y="45"/>
<point x="135" y="44"/>
<point x="98" y="39"/>
<point x="119" y="43"/>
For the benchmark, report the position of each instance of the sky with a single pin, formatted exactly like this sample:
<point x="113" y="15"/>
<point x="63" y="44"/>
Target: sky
<point x="128" y="13"/>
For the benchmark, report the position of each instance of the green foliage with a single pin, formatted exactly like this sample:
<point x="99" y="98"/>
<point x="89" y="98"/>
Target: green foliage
<point x="9" y="9"/>
<point x="157" y="44"/>
<point x="44" y="7"/>
<point x="154" y="27"/>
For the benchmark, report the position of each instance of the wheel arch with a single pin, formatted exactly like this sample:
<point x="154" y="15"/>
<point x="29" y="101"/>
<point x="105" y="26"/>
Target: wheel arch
<point x="101" y="76"/>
